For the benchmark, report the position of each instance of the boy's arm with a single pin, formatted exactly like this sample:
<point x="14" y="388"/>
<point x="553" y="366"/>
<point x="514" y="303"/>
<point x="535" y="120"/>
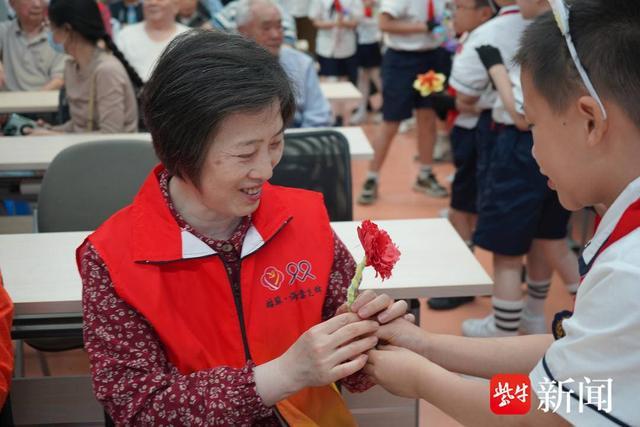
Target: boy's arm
<point x="407" y="374"/>
<point x="492" y="61"/>
<point x="389" y="24"/>
<point x="479" y="357"/>
<point x="466" y="103"/>
<point x="486" y="357"/>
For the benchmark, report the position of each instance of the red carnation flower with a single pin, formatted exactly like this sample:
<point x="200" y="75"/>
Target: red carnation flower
<point x="380" y="252"/>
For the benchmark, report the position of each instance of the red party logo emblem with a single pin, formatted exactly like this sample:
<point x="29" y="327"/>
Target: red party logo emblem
<point x="510" y="394"/>
<point x="272" y="278"/>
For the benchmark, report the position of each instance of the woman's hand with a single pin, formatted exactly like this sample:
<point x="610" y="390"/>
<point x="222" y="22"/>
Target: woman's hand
<point x="324" y="354"/>
<point x="369" y="304"/>
<point x="40" y="132"/>
<point x="43" y="128"/>
<point x="403" y="333"/>
<point x="397" y="370"/>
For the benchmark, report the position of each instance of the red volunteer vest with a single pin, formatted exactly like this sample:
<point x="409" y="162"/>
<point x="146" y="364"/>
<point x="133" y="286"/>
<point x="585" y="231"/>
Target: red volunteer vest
<point x="181" y="287"/>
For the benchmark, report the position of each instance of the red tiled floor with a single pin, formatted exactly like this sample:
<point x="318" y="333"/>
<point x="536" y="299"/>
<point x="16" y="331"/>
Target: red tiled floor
<point x="397" y="200"/>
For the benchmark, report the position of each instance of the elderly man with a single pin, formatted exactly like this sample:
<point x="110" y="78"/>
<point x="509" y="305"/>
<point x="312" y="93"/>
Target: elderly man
<point x="261" y="20"/>
<point x="225" y="18"/>
<point x="143" y="43"/>
<point x="27" y="60"/>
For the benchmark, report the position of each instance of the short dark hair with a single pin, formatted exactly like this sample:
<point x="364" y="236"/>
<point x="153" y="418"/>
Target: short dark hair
<point x="482" y="3"/>
<point x="201" y="78"/>
<point x="606" y="34"/>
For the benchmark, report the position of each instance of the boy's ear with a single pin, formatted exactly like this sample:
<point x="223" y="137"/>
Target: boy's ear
<point x="595" y="124"/>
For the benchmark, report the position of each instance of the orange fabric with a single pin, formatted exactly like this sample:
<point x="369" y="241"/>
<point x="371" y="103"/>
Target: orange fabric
<point x="6" y="346"/>
<point x="190" y="304"/>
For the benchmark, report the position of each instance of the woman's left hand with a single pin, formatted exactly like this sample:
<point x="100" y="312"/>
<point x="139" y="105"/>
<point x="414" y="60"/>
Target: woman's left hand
<point x="383" y="307"/>
<point x="397" y="370"/>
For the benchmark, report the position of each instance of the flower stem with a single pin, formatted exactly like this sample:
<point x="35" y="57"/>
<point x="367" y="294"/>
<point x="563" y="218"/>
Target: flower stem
<point x="352" y="293"/>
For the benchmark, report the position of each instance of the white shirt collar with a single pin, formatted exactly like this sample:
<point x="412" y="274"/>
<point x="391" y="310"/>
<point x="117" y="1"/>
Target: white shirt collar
<point x="610" y="219"/>
<point x="507" y="9"/>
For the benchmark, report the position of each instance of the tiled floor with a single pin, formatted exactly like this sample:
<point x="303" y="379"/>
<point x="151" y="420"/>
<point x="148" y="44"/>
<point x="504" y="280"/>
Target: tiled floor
<point x="397" y="200"/>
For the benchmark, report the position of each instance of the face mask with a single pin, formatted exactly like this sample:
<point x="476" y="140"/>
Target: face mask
<point x="58" y="47"/>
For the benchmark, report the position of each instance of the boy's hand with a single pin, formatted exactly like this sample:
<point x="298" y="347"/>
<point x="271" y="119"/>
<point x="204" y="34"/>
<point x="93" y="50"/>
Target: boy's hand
<point x="442" y="103"/>
<point x="403" y="333"/>
<point x="489" y="56"/>
<point x="396" y="369"/>
<point x="431" y="25"/>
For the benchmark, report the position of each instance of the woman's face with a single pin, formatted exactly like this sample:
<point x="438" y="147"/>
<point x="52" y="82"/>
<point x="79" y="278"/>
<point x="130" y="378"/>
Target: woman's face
<point x="240" y="160"/>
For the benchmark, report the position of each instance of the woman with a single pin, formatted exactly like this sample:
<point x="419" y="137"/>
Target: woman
<point x="98" y="83"/>
<point x="212" y="299"/>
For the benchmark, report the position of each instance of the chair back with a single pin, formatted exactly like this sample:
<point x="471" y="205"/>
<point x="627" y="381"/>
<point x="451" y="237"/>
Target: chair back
<point x="88" y="182"/>
<point x="319" y="160"/>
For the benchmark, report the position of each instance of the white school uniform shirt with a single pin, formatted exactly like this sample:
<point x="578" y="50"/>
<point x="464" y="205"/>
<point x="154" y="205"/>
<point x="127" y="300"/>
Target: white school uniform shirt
<point x="602" y="338"/>
<point x="463" y="73"/>
<point x="503" y="32"/>
<point x="139" y="50"/>
<point x="335" y="42"/>
<point x="368" y="29"/>
<point x="297" y="8"/>
<point x="412" y="11"/>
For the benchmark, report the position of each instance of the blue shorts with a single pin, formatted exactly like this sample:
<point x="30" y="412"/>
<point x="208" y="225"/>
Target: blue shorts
<point x="399" y="71"/>
<point x="369" y="55"/>
<point x="517" y="204"/>
<point x="342" y="67"/>
<point x="486" y="135"/>
<point x="465" y="157"/>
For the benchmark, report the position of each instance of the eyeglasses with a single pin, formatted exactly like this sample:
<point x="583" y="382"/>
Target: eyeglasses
<point x="561" y="12"/>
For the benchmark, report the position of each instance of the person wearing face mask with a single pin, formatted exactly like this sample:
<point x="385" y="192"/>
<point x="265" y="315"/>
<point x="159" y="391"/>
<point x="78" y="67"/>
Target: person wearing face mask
<point x="99" y="83"/>
<point x="27" y="61"/>
<point x="143" y="43"/>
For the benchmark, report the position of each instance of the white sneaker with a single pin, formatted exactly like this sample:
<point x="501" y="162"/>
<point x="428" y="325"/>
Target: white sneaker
<point x="358" y="117"/>
<point x="407" y="125"/>
<point x="483" y="328"/>
<point x="442" y="149"/>
<point x="532" y="324"/>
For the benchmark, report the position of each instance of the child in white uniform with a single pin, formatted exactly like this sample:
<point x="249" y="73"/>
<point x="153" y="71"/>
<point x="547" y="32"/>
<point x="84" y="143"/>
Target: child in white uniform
<point x="589" y="120"/>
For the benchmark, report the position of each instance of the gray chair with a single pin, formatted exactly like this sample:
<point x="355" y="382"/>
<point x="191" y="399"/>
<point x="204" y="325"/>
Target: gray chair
<point x="83" y="186"/>
<point x="319" y="160"/>
<point x="86" y="183"/>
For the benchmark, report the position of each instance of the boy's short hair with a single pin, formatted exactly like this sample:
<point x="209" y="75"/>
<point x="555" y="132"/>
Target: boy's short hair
<point x="482" y="3"/>
<point x="606" y="34"/>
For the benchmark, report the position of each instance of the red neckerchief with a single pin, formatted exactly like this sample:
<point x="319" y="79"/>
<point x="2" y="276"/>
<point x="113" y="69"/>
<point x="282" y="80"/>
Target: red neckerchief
<point x="431" y="11"/>
<point x="628" y="223"/>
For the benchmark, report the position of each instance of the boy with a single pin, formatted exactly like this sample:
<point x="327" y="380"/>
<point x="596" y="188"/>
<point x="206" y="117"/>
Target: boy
<point x="591" y="121"/>
<point x="517" y="214"/>
<point x="468" y="15"/>
<point x="410" y="28"/>
<point x="548" y="247"/>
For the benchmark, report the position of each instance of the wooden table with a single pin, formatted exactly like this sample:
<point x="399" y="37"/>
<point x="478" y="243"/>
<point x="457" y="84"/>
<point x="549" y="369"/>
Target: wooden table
<point x="36" y="152"/>
<point x="40" y="273"/>
<point x="29" y="102"/>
